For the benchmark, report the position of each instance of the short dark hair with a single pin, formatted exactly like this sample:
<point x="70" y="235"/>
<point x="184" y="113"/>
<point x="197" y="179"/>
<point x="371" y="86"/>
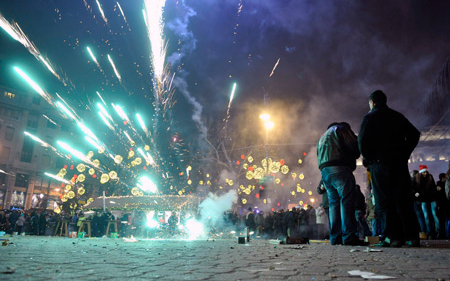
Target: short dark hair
<point x="378" y="97"/>
<point x="332" y="124"/>
<point x="442" y="176"/>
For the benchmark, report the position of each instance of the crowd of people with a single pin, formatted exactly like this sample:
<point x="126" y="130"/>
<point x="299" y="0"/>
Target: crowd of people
<point x="399" y="204"/>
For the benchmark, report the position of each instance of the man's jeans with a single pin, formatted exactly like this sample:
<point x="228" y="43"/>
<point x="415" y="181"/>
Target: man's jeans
<point x="430" y="212"/>
<point x="340" y="185"/>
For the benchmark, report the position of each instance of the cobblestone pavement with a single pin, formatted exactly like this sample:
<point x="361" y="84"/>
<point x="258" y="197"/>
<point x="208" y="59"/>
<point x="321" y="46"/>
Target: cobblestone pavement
<point x="55" y="258"/>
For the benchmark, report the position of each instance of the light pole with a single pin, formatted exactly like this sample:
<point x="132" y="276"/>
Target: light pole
<point x="268" y="125"/>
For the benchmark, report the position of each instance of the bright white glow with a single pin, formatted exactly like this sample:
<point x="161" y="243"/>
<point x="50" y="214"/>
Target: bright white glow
<point x="87" y="131"/>
<point x="232" y="94"/>
<point x="43" y="143"/>
<point x="265" y="117"/>
<point x="104" y="112"/>
<point x="150" y="158"/>
<point x="141" y="122"/>
<point x="49" y="67"/>
<point x="147" y="185"/>
<point x="101" y="11"/>
<point x="121" y="11"/>
<point x="72" y="151"/>
<point x="269" y="125"/>
<point x="154" y="21"/>
<point x="101" y="98"/>
<point x="58" y="178"/>
<point x="194" y="229"/>
<point x="128" y="136"/>
<point x="50" y="120"/>
<point x="3" y="172"/>
<point x="92" y="55"/>
<point x="152" y="223"/>
<point x="120" y="111"/>
<point x="31" y="83"/>
<point x="66" y="110"/>
<point x="8" y="28"/>
<point x="115" y="69"/>
<point x="93" y="142"/>
<point x="105" y="120"/>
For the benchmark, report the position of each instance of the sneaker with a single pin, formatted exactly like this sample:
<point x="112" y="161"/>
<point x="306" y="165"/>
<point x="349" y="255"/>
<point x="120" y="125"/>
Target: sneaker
<point x="383" y="244"/>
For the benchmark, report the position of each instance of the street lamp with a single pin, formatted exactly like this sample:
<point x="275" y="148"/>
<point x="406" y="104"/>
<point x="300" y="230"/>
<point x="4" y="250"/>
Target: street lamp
<point x="269" y="125"/>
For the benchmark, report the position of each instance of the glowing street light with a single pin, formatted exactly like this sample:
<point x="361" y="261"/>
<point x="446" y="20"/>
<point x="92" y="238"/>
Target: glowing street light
<point x="265" y="117"/>
<point x="269" y="125"/>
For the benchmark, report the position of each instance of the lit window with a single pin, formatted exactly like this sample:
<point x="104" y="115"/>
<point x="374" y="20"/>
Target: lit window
<point x="10" y="95"/>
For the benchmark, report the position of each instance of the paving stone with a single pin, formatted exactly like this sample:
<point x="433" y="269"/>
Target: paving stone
<point x="55" y="258"/>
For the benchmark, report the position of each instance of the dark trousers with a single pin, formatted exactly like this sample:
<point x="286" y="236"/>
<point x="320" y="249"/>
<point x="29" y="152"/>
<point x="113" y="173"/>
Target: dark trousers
<point x="394" y="203"/>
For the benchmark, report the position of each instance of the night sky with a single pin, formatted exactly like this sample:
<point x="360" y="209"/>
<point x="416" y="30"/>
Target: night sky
<point x="333" y="54"/>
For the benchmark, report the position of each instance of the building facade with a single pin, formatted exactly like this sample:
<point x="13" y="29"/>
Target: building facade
<point x="23" y="161"/>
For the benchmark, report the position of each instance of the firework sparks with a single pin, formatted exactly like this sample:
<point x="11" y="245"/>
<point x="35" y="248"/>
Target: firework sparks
<point x="34" y="85"/>
<point x="49" y="119"/>
<point x="232" y="96"/>
<point x="141" y="122"/>
<point x="14" y="30"/>
<point x="43" y="143"/>
<point x="81" y="156"/>
<point x="105" y="121"/>
<point x="120" y="112"/>
<point x="114" y="68"/>
<point x="87" y="131"/>
<point x="101" y="98"/>
<point x="128" y="137"/>
<point x="58" y="178"/>
<point x="104" y="112"/>
<point x="66" y="111"/>
<point x="94" y="58"/>
<point x="273" y="70"/>
<point x="146" y="184"/>
<point x="101" y="11"/>
<point x="153" y="10"/>
<point x="94" y="143"/>
<point x="121" y="11"/>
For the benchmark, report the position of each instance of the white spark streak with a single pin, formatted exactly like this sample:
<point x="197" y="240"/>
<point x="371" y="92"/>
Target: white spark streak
<point x="43" y="143"/>
<point x="58" y="178"/>
<point x="153" y="10"/>
<point x="120" y="111"/>
<point x="93" y="57"/>
<point x="121" y="11"/>
<point x="33" y="84"/>
<point x="94" y="143"/>
<point x="273" y="70"/>
<point x="101" y="98"/>
<point x="101" y="11"/>
<point x="105" y="120"/>
<point x="114" y="68"/>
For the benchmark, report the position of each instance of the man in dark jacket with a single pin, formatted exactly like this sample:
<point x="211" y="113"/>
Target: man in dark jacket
<point x="337" y="152"/>
<point x="386" y="141"/>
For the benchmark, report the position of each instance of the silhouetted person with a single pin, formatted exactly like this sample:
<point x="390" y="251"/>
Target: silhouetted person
<point x="386" y="141"/>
